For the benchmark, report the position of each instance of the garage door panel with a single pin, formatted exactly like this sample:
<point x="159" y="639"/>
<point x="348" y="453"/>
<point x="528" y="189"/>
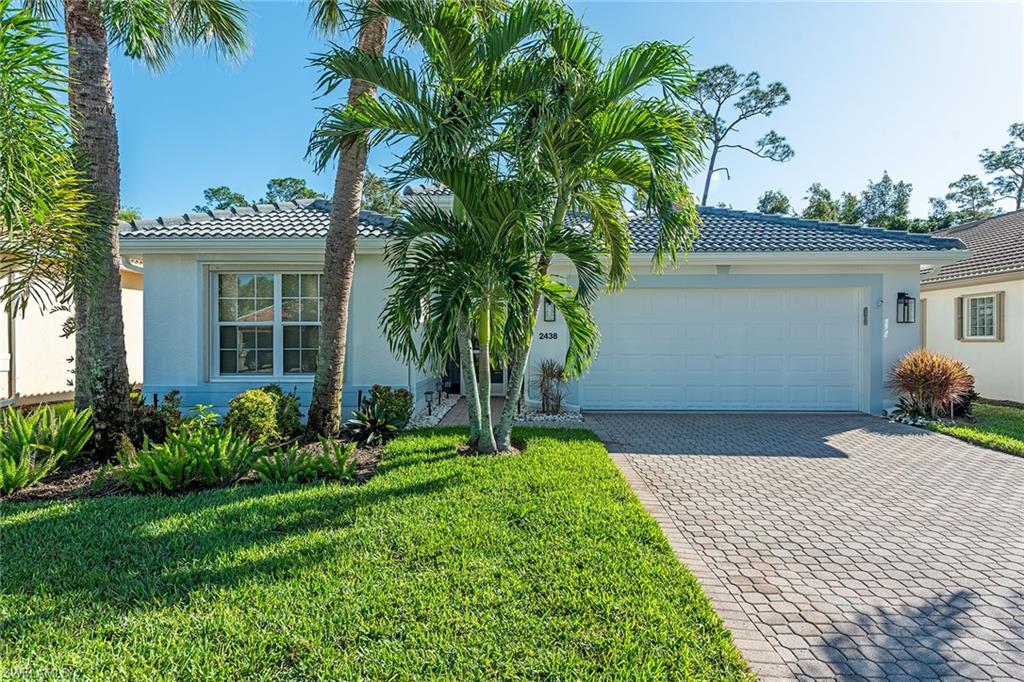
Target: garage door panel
<point x="727" y="350"/>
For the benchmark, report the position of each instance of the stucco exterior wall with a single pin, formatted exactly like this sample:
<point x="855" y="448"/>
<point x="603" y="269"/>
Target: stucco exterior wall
<point x="998" y="366"/>
<point x="887" y="341"/>
<point x="178" y="336"/>
<point x="40" y="355"/>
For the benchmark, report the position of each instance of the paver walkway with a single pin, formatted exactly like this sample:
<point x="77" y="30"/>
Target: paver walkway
<point x="840" y="546"/>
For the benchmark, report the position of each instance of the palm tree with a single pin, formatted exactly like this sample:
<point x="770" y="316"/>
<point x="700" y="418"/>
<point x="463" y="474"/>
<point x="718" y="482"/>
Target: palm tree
<point x="149" y="32"/>
<point x="41" y="201"/>
<point x="597" y="138"/>
<point x="470" y="275"/>
<point x="324" y="416"/>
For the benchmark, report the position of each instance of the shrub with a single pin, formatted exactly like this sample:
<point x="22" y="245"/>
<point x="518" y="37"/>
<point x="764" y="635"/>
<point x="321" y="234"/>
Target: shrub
<point x="931" y="380"/>
<point x="199" y="455"/>
<point x="254" y="414"/>
<point x="153" y="422"/>
<point x="289" y="415"/>
<point x="33" y="445"/>
<point x="370" y="425"/>
<point x="395" y="403"/>
<point x="550" y="379"/>
<point x="289" y="465"/>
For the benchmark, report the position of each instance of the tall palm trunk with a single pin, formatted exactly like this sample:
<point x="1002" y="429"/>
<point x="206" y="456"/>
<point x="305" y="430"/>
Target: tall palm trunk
<point x="101" y="369"/>
<point x="340" y="256"/>
<point x="465" y="341"/>
<point x="485" y="442"/>
<point x="707" y="178"/>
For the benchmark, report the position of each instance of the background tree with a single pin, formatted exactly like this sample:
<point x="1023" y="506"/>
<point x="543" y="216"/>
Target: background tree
<point x="346" y="201"/>
<point x="849" y="209"/>
<point x="1007" y="164"/>
<point x="973" y="199"/>
<point x="820" y="204"/>
<point x="726" y="98"/>
<point x="886" y="203"/>
<point x="379" y="197"/>
<point x="289" y="189"/>
<point x="129" y="213"/>
<point x="149" y="32"/>
<point x="42" y="235"/>
<point x="220" y="198"/>
<point x="774" y="202"/>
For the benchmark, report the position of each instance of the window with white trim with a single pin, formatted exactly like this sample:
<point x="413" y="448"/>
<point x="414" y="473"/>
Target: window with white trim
<point x="980" y="317"/>
<point x="266" y="323"/>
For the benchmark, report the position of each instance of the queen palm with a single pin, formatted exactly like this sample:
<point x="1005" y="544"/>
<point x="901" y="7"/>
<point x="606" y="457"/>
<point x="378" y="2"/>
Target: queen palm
<point x="150" y="32"/>
<point x="470" y="275"/>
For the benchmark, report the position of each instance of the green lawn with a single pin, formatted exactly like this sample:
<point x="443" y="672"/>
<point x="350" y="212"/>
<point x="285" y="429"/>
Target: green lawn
<point x="998" y="428"/>
<point x="442" y="566"/>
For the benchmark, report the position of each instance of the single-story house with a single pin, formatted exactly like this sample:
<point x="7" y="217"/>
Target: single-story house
<point x="974" y="309"/>
<point x="37" y="359"/>
<point x="766" y="313"/>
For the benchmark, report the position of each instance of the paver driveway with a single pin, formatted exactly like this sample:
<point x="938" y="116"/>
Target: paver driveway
<point x="840" y="546"/>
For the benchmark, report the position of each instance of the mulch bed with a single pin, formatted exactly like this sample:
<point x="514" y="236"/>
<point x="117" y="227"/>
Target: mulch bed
<point x="86" y="478"/>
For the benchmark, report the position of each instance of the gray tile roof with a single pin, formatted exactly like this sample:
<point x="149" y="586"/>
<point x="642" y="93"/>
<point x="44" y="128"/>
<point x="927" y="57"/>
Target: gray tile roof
<point x="305" y="218"/>
<point x="723" y="231"/>
<point x="429" y="190"/>
<point x="996" y="244"/>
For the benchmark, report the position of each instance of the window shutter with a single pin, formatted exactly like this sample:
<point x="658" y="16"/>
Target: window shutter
<point x="1000" y="297"/>
<point x="958" y="318"/>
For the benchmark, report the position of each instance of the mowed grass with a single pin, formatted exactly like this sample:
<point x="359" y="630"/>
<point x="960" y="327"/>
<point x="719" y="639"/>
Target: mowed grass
<point x="541" y="565"/>
<point x="998" y="428"/>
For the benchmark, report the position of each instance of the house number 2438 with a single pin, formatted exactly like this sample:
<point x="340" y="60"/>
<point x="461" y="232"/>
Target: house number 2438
<point x="548" y="335"/>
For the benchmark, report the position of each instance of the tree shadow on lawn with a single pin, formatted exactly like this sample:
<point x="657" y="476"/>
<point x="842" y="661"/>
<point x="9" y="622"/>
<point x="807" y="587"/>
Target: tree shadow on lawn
<point x="142" y="552"/>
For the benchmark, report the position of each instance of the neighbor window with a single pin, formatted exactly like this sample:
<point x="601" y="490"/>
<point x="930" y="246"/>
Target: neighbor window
<point x="980" y="317"/>
<point x="266" y="323"/>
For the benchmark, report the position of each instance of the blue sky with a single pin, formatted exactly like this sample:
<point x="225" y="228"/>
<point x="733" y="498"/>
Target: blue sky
<point x="918" y="89"/>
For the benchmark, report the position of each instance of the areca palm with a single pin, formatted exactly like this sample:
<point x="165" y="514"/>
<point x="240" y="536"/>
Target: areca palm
<point x="148" y="31"/>
<point x="470" y="275"/>
<point x="595" y="135"/>
<point x="40" y="199"/>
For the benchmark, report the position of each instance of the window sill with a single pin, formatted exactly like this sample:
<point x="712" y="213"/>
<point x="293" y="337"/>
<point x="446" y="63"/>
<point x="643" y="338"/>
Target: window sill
<point x="981" y="339"/>
<point x="263" y="378"/>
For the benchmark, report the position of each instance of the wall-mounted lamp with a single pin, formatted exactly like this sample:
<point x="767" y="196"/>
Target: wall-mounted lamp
<point x="906" y="308"/>
<point x="549" y="311"/>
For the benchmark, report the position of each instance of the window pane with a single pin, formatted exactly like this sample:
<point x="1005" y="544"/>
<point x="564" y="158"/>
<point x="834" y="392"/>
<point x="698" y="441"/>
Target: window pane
<point x="264" y="310"/>
<point x="290" y="310"/>
<point x="228" y="362"/>
<point x="246" y="310"/>
<point x="292" y="361"/>
<point x="291" y="336"/>
<point x="246" y="285"/>
<point x="229" y="337"/>
<point x="265" y="285"/>
<point x="228" y="285"/>
<point x="310" y="309"/>
<point x="309" y="361"/>
<point x="290" y="286"/>
<point x="228" y="310"/>
<point x="265" y="337"/>
<point x="266" y="360"/>
<point x="310" y="288"/>
<point x="981" y="317"/>
<point x="310" y="336"/>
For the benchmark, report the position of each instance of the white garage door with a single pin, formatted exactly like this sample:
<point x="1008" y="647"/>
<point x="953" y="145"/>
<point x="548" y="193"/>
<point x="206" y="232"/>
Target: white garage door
<point x="727" y="349"/>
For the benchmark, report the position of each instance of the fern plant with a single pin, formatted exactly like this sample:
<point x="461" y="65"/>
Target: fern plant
<point x="33" y="445"/>
<point x="289" y="465"/>
<point x="336" y="460"/>
<point x="200" y="457"/>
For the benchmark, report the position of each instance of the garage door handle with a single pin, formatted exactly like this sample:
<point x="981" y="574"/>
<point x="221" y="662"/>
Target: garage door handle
<point x="865" y="316"/>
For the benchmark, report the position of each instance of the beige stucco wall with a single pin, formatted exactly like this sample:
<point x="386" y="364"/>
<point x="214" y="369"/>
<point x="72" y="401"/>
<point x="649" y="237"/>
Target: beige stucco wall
<point x="40" y="358"/>
<point x="998" y="366"/>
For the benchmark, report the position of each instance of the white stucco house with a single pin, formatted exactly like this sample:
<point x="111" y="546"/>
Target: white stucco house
<point x="767" y="312"/>
<point x="974" y="309"/>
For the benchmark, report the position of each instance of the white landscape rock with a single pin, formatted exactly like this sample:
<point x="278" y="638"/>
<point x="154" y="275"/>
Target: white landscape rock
<point x="437" y="412"/>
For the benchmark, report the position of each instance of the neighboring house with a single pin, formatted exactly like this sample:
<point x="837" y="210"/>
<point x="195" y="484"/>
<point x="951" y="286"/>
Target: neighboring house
<point x="767" y="312"/>
<point x="36" y="359"/>
<point x="974" y="309"/>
